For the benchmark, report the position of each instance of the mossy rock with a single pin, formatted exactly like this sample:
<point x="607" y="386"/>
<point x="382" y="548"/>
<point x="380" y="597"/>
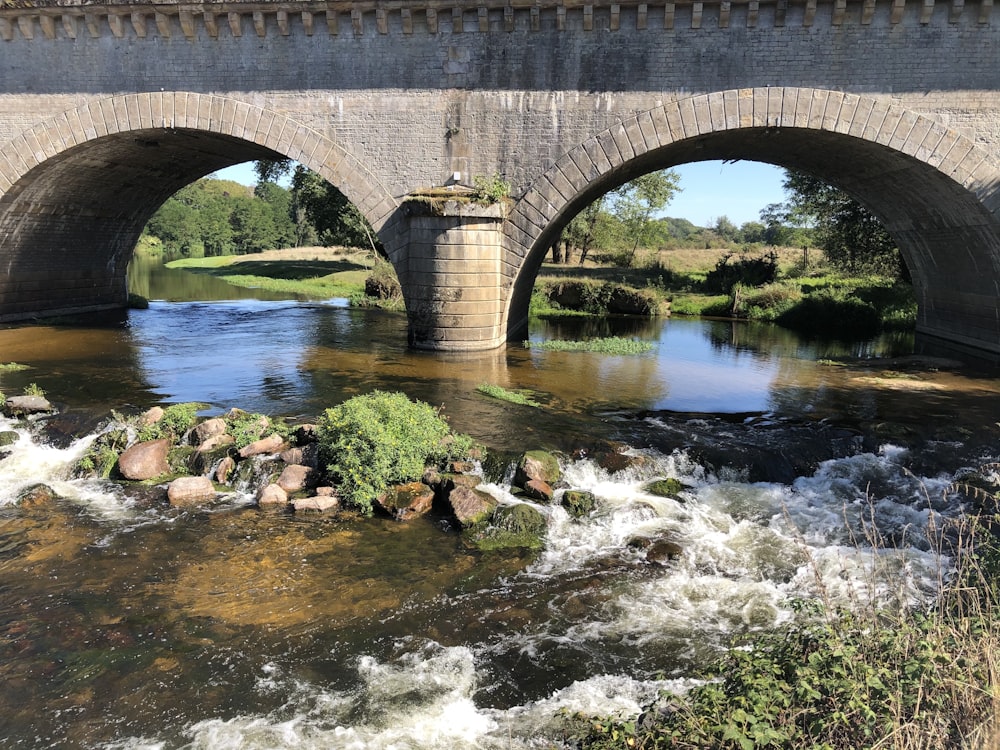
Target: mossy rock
<point x="511" y="526"/>
<point x="537" y="465"/>
<point x="578" y="503"/>
<point x="8" y="437"/>
<point x="669" y="488"/>
<point x="201" y="462"/>
<point x="179" y="459"/>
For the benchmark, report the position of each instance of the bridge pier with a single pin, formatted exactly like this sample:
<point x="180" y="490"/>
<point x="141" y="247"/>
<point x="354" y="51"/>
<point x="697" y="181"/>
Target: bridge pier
<point x="451" y="277"/>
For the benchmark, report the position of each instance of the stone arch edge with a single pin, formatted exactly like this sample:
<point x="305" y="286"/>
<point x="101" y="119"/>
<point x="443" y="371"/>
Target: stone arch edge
<point x="867" y="118"/>
<point x="201" y="112"/>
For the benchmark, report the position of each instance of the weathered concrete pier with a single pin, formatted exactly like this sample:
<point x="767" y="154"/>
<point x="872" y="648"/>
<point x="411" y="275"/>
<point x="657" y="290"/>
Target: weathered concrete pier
<point x="106" y="109"/>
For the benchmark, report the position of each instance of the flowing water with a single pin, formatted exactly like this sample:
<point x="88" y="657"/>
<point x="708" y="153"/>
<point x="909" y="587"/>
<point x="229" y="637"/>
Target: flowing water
<point x="127" y="624"/>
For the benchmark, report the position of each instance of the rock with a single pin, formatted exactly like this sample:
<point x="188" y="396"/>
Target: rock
<point x="210" y="428"/>
<point x="326" y="492"/>
<point x="537" y="465"/>
<point x="295" y="477"/>
<point x="470" y="506"/>
<point x="36" y="495"/>
<point x="462" y="467"/>
<point x="406" y="501"/>
<point x="305" y="455"/>
<point x="662" y="551"/>
<point x="183" y="458"/>
<point x="306" y="433"/>
<point x="270" y="444"/>
<point x="145" y="460"/>
<point x="272" y="495"/>
<point x="185" y="491"/>
<point x="224" y="469"/>
<point x="511" y="526"/>
<point x="21" y="405"/>
<point x="151" y="416"/>
<point x="669" y="488"/>
<point x="578" y="503"/>
<point x="8" y="437"/>
<point x="536" y="489"/>
<point x="215" y="442"/>
<point x="318" y="504"/>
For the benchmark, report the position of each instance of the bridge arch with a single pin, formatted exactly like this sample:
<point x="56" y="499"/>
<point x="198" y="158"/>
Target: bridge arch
<point x="77" y="190"/>
<point x="936" y="191"/>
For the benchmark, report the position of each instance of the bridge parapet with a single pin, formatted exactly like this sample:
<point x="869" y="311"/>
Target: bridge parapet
<point x="73" y="19"/>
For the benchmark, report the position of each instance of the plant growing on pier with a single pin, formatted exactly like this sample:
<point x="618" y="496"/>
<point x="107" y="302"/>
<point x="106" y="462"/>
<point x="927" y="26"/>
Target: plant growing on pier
<point x="373" y="441"/>
<point x="489" y="190"/>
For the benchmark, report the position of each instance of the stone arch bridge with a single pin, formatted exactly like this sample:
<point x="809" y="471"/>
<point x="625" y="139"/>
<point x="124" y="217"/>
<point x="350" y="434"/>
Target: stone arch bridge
<point x="106" y="109"/>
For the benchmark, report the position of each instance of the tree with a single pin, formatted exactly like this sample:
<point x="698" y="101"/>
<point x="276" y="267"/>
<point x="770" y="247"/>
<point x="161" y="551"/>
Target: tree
<point x="635" y="202"/>
<point x="851" y="237"/>
<point x="726" y="229"/>
<point x="586" y="230"/>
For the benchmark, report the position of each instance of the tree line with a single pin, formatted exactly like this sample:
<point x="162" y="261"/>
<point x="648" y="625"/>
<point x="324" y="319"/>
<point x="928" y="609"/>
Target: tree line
<point x="219" y="217"/>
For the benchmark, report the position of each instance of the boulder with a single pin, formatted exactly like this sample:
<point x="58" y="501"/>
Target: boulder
<point x="152" y="415"/>
<point x="8" y="437"/>
<point x="662" y="551"/>
<point x="36" y="495"/>
<point x="537" y="465"/>
<point x="270" y="444"/>
<point x="406" y="501"/>
<point x="215" y="442"/>
<point x="185" y="491"/>
<point x="536" y="489"/>
<point x="305" y="455"/>
<point x="669" y="488"/>
<point x="326" y="492"/>
<point x="470" y="506"/>
<point x="306" y="433"/>
<point x="22" y="405"/>
<point x="210" y="428"/>
<point x="224" y="469"/>
<point x="145" y="460"/>
<point x="272" y="495"/>
<point x="578" y="503"/>
<point x="296" y="477"/>
<point x="318" y="504"/>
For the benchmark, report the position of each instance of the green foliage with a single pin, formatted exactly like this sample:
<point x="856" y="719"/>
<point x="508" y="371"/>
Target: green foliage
<point x="490" y="190"/>
<point x="744" y="270"/>
<point x="12" y="367"/>
<point x="635" y="202"/>
<point x="610" y="345"/>
<point x="851" y="237"/>
<point x="176" y="420"/>
<point x="32" y="389"/>
<point x="102" y="455"/>
<point x="249" y="427"/>
<point x="832" y="312"/>
<point x="336" y="219"/>
<point x="522" y="397"/>
<point x="3" y="398"/>
<point x="373" y="441"/>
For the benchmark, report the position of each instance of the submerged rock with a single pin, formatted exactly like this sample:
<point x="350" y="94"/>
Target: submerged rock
<point x="578" y="503"/>
<point x="317" y="504"/>
<point x="406" y="501"/>
<point x="145" y="460"/>
<point x="35" y="496"/>
<point x="511" y="526"/>
<point x="17" y="406"/>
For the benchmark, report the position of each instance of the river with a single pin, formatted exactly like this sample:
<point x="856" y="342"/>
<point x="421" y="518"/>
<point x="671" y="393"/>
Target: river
<point x="126" y="624"/>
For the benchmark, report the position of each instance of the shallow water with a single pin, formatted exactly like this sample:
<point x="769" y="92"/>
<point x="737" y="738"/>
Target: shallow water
<point x="128" y="624"/>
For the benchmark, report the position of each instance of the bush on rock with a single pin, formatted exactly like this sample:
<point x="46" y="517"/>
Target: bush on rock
<point x="373" y="441"/>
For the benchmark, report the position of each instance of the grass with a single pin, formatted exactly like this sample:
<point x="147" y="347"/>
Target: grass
<point x="337" y="273"/>
<point x="521" y="396"/>
<point x="611" y="345"/>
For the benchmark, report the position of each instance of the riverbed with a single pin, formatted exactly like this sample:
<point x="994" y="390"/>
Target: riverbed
<point x="813" y="469"/>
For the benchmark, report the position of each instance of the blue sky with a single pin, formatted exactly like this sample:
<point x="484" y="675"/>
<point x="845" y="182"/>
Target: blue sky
<point x="709" y="189"/>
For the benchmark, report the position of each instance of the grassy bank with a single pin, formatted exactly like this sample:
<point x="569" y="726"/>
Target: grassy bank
<point x="311" y="272"/>
<point x="771" y="285"/>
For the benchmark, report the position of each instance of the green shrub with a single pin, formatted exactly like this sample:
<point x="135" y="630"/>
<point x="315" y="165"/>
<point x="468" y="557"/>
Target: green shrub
<point x="373" y="441"/>
<point x="33" y="389"/>
<point x="12" y="367"/>
<point x="489" y="190"/>
<point x="176" y="420"/>
<point x="834" y="313"/>
<point x="744" y="270"/>
<point x="249" y="427"/>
